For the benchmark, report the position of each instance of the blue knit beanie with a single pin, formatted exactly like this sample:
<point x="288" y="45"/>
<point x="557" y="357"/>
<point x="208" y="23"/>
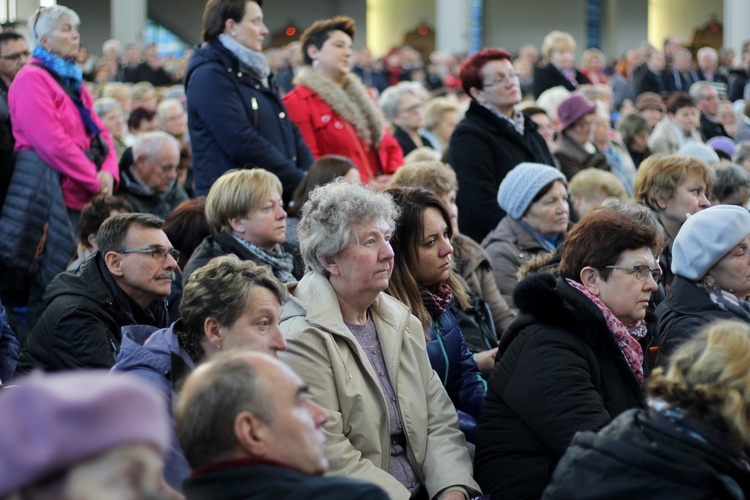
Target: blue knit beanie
<point x="522" y="184"/>
<point x="706" y="237"/>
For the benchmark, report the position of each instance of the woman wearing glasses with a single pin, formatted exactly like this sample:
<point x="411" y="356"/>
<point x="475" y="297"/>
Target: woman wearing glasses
<point x="403" y="106"/>
<point x="711" y="263"/>
<point x="571" y="361"/>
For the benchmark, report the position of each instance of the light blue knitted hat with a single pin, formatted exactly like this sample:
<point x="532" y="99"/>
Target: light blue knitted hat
<point x="522" y="184"/>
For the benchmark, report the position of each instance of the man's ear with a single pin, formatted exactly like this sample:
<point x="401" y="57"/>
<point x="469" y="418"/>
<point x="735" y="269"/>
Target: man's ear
<point x="252" y="434"/>
<point x="114" y="263"/>
<point x="591" y="279"/>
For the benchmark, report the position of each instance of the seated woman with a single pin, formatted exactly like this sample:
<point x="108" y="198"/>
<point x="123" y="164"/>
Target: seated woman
<point x="228" y="304"/>
<point x="424" y="280"/>
<point x="403" y="106"/>
<point x="681" y="125"/>
<point x="571" y="361"/>
<point x="688" y="443"/>
<point x="711" y="263"/>
<point x="363" y="354"/>
<point x="536" y="202"/>
<point x="246" y="211"/>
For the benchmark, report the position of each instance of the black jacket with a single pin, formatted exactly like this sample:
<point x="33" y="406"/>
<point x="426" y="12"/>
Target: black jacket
<point x="686" y="309"/>
<point x="268" y="482"/>
<point x="549" y="76"/>
<point x="649" y="81"/>
<point x="482" y="150"/>
<point x="711" y="128"/>
<point x="81" y="326"/>
<point x="406" y="142"/>
<point x="225" y="244"/>
<point x="648" y="455"/>
<point x="237" y="122"/>
<point x="738" y="79"/>
<point x="146" y="201"/>
<point x="560" y="372"/>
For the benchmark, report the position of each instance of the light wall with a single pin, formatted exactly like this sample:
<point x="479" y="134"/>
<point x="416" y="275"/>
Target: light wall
<point x="680" y="18"/>
<point x="389" y="20"/>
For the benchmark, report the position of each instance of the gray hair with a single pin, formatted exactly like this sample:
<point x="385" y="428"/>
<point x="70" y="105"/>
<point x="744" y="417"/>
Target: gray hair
<point x="730" y="179"/>
<point x="222" y="388"/>
<point x="104" y="105"/>
<point x="150" y="143"/>
<point x="707" y="51"/>
<point x="696" y="89"/>
<point x="112" y="44"/>
<point x="741" y="152"/>
<point x="164" y="107"/>
<point x="45" y="19"/>
<point x="639" y="213"/>
<point x="329" y="217"/>
<point x="113" y="232"/>
<point x="390" y="99"/>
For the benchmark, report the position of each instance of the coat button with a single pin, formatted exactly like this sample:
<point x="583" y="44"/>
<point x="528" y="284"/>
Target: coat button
<point x="282" y="115"/>
<point x="239" y="73"/>
<point x="338" y="125"/>
<point x="325" y="118"/>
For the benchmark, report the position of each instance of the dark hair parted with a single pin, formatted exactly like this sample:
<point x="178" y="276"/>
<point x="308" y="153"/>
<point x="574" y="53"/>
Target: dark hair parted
<point x="679" y="100"/>
<point x="326" y="169"/>
<point x="187" y="226"/>
<point x="600" y="238"/>
<point x="138" y="116"/>
<point x="113" y="233"/>
<point x="471" y="76"/>
<point x="95" y="213"/>
<point x="217" y="12"/>
<point x="8" y="35"/>
<point x="318" y="33"/>
<point x="407" y="237"/>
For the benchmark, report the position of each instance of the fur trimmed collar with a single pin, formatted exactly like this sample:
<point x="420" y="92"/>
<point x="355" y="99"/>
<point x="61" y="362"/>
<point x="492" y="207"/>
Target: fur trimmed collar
<point x="352" y="102"/>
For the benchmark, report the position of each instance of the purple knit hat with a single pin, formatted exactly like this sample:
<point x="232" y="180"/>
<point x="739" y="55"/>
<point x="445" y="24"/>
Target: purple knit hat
<point x="51" y="422"/>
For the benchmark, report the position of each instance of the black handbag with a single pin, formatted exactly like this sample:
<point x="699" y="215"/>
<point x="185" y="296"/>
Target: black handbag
<point x="477" y="325"/>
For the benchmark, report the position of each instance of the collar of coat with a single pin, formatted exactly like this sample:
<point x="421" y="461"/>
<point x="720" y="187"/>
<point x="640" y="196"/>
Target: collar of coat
<point x="352" y="102"/>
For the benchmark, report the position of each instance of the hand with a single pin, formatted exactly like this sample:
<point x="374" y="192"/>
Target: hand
<point x="106" y="182"/>
<point x="453" y="495"/>
<point x="381" y="182"/>
<point x="486" y="361"/>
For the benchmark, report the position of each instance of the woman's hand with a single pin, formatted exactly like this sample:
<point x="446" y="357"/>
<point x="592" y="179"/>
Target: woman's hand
<point x="107" y="182"/>
<point x="486" y="361"/>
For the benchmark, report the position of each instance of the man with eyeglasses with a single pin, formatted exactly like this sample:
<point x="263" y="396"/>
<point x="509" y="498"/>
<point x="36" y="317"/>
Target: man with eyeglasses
<point x="150" y="182"/>
<point x="707" y="101"/>
<point x="125" y="282"/>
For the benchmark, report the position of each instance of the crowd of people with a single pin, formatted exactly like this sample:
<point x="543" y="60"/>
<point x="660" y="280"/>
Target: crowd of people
<point x="309" y="272"/>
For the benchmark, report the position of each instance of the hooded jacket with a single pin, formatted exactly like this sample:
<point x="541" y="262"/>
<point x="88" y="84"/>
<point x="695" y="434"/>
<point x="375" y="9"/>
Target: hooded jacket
<point x="322" y="350"/>
<point x="237" y="122"/>
<point x="80" y="328"/>
<point x="561" y="372"/>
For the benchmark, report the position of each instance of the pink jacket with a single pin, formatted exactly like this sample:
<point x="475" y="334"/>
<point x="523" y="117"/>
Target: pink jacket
<point x="46" y="120"/>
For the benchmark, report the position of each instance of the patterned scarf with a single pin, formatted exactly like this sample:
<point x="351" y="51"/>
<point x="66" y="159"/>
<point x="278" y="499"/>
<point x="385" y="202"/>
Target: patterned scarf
<point x="280" y="262"/>
<point x="729" y="302"/>
<point x="626" y="337"/>
<point x="436" y="298"/>
<point x="256" y="61"/>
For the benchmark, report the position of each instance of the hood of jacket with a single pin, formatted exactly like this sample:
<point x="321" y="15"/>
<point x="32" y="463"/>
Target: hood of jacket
<point x="145" y="347"/>
<point x="92" y="280"/>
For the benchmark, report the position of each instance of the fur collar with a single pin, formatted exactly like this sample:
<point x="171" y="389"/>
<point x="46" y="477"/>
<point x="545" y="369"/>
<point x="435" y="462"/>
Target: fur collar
<point x="352" y="103"/>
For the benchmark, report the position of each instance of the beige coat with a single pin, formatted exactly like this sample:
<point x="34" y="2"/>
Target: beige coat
<point x="322" y="350"/>
<point x="664" y="140"/>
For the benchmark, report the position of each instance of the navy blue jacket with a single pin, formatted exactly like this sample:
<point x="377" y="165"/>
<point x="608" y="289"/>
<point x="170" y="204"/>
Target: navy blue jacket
<point x="455" y="365"/>
<point x="237" y="122"/>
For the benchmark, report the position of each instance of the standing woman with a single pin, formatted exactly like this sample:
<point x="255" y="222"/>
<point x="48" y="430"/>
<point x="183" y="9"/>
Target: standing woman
<point x="424" y="280"/>
<point x="334" y="110"/>
<point x="235" y="116"/>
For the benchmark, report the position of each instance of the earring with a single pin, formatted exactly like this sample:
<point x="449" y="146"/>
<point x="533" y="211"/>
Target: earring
<point x="234" y="33"/>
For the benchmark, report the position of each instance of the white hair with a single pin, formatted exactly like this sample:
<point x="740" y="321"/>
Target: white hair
<point x="44" y="21"/>
<point x="150" y="143"/>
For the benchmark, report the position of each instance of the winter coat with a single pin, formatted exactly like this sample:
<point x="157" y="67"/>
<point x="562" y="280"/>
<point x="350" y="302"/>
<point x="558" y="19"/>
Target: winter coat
<point x="457" y="370"/>
<point x="573" y="158"/>
<point x="10" y="349"/>
<point x="509" y="246"/>
<point x="46" y="120"/>
<point x="549" y="76"/>
<point x="237" y="122"/>
<point x="711" y="128"/>
<point x="473" y="267"/>
<point x="482" y="150"/>
<point x="664" y="139"/>
<point x="646" y="455"/>
<point x="144" y="200"/>
<point x="81" y="326"/>
<point x="560" y="372"/>
<point x="686" y="310"/>
<point x="328" y="132"/>
<point x="406" y="143"/>
<point x="323" y="351"/>
<point x="259" y="481"/>
<point x="738" y="80"/>
<point x="156" y="356"/>
<point x="225" y="244"/>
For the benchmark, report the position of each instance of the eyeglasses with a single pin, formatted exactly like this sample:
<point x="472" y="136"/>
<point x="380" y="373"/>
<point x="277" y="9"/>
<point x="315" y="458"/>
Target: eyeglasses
<point x="158" y="253"/>
<point x="16" y="56"/>
<point x="413" y="108"/>
<point x="503" y="80"/>
<point x="36" y="20"/>
<point x="641" y="272"/>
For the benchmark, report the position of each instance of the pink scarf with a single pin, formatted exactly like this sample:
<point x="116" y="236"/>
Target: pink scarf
<point x="626" y="337"/>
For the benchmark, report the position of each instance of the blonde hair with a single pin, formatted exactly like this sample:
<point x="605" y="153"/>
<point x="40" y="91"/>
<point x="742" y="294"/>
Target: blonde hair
<point x="436" y="108"/>
<point x="557" y="40"/>
<point x="434" y="176"/>
<point x="659" y="176"/>
<point x="708" y="377"/>
<point x="590" y="180"/>
<point x="422" y="153"/>
<point x="237" y="192"/>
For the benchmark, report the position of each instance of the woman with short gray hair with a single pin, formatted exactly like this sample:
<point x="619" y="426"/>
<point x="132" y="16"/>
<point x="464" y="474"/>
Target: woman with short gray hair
<point x="353" y="345"/>
<point x="403" y="106"/>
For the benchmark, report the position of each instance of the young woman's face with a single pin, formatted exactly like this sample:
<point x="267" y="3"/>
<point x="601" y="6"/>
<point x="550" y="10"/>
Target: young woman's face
<point x="435" y="249"/>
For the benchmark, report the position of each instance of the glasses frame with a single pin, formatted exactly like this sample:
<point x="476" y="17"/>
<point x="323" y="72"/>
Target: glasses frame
<point x="155" y="252"/>
<point x="509" y="78"/>
<point x="16" y="56"/>
<point x="36" y="20"/>
<point x="640" y="272"/>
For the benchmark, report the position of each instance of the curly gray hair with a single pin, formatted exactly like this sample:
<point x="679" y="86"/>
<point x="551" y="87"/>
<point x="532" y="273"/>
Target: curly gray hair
<point x="329" y="217"/>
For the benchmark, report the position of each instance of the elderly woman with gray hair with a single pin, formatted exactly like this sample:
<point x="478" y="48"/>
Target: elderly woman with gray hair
<point x="363" y="354"/>
<point x="403" y="106"/>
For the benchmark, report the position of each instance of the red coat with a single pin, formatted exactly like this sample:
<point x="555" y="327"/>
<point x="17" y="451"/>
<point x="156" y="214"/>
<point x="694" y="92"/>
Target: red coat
<point x="327" y="133"/>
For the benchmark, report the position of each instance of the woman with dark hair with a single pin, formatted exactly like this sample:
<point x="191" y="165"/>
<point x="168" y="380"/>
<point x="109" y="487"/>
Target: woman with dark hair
<point x="635" y="130"/>
<point x="690" y="441"/>
<point x="333" y="108"/>
<point x="423" y="278"/>
<point x="680" y="126"/>
<point x="571" y="361"/>
<point x="235" y="116"/>
<point x="325" y="169"/>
